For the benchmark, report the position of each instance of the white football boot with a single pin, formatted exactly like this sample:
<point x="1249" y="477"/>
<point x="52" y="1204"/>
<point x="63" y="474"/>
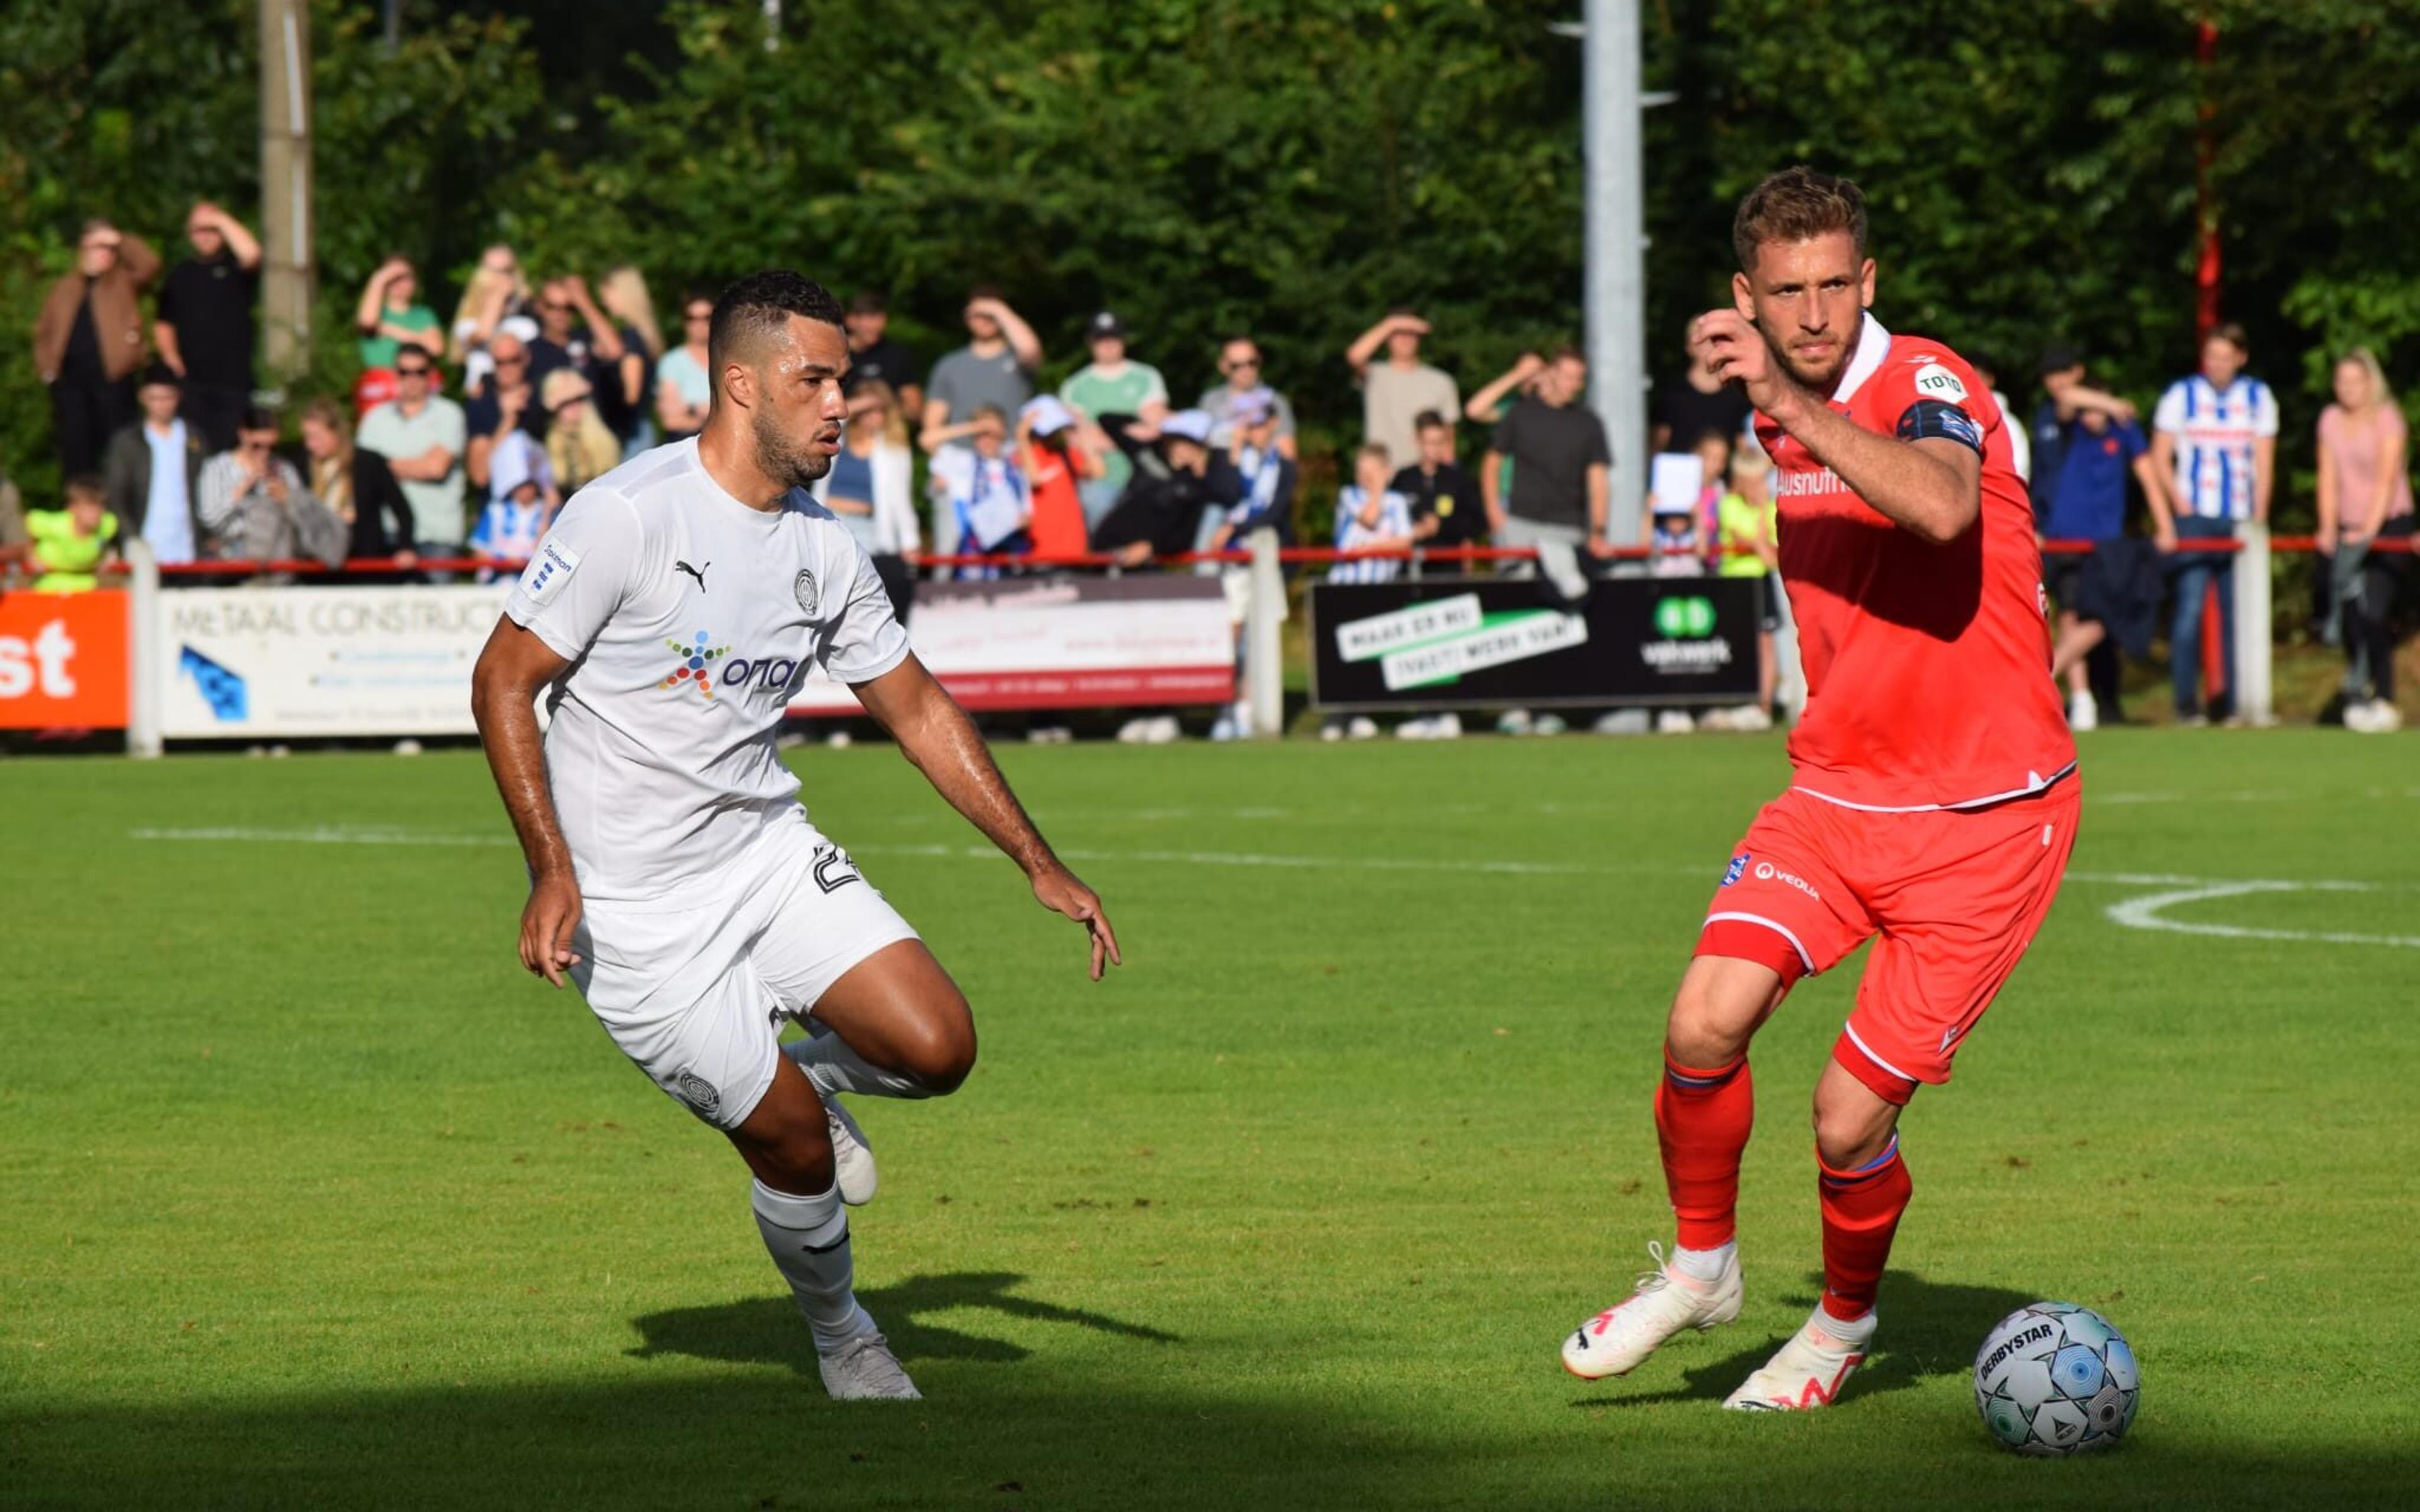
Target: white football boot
<point x="1665" y="1301"/>
<point x="852" y="1157"/>
<point x="1809" y="1370"/>
<point x="865" y="1369"/>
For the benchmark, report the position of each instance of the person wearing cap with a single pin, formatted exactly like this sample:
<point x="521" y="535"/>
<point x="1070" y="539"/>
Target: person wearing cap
<point x="1056" y="467"/>
<point x="152" y="473"/>
<point x="577" y="441"/>
<point x="1110" y="384"/>
<point x="993" y="368"/>
<point x="1176" y="476"/>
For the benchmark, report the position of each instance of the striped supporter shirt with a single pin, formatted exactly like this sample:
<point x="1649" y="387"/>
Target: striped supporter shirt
<point x="2214" y="430"/>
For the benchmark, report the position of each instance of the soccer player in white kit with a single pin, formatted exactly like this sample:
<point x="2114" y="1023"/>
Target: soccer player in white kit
<point x="672" y="610"/>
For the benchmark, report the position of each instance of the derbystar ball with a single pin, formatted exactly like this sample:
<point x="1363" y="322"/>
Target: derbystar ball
<point x="2055" y="1379"/>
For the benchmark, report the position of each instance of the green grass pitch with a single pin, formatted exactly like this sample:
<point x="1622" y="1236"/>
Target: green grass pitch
<point x="310" y="1198"/>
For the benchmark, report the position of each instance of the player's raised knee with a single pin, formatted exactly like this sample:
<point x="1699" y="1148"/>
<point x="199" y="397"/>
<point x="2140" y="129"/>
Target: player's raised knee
<point x="939" y="1052"/>
<point x="1717" y="1010"/>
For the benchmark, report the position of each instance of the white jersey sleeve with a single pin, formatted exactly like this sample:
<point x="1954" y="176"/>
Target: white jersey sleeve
<point x="2264" y="409"/>
<point x="867" y="639"/>
<point x="2170" y="415"/>
<point x="581" y="572"/>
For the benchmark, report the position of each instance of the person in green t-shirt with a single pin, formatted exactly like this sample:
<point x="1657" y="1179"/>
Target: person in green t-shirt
<point x="66" y="546"/>
<point x="390" y="317"/>
<point x="1111" y="385"/>
<point x="1748" y="529"/>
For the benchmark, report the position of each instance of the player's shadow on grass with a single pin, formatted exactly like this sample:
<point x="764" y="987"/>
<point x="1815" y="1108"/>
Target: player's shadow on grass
<point x="769" y="1330"/>
<point x="1928" y="1328"/>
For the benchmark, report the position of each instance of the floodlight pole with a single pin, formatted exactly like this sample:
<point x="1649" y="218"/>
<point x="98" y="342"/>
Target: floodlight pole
<point x="1617" y="252"/>
<point x="288" y="271"/>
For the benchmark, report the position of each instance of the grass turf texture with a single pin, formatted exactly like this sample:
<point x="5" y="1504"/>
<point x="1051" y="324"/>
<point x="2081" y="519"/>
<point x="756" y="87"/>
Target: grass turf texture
<point x="313" y="1198"/>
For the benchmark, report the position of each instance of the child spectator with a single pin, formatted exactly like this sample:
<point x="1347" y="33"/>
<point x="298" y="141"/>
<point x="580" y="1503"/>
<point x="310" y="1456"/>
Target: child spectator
<point x="67" y="546"/>
<point x="1446" y="509"/>
<point x="521" y="501"/>
<point x="984" y="493"/>
<point x="1371" y="515"/>
<point x="1055" y="467"/>
<point x="1747" y="535"/>
<point x="1713" y="452"/>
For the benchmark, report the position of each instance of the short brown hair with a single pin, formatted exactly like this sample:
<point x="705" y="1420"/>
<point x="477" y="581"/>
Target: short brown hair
<point x="1797" y="205"/>
<point x="2232" y="334"/>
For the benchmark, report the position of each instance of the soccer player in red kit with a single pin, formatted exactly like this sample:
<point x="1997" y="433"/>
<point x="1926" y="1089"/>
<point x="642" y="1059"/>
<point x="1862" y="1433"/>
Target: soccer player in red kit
<point x="1933" y="794"/>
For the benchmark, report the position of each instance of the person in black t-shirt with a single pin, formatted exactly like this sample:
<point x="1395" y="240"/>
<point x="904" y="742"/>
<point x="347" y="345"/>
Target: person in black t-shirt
<point x="205" y="327"/>
<point x="1446" y="508"/>
<point x="875" y="356"/>
<point x="1696" y="406"/>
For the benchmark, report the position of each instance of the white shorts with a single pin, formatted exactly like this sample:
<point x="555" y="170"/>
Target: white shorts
<point x="696" y="995"/>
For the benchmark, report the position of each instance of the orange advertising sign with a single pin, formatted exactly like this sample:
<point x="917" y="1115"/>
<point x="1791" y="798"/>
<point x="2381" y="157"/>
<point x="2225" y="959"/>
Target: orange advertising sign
<point x="63" y="660"/>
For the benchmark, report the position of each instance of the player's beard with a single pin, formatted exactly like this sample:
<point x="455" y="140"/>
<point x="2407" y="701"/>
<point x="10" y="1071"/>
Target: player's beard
<point x="1819" y="379"/>
<point x="782" y="460"/>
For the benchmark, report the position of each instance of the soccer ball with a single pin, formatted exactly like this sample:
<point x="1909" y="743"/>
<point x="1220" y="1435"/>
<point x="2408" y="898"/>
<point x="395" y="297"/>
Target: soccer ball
<point x="2056" y="1379"/>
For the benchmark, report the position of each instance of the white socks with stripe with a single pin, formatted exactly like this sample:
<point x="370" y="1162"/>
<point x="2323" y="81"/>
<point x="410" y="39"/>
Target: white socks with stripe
<point x="833" y="1066"/>
<point x="808" y="1238"/>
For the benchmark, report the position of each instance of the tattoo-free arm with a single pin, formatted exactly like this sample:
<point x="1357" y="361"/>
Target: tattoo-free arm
<point x="504" y="696"/>
<point x="1931" y="488"/>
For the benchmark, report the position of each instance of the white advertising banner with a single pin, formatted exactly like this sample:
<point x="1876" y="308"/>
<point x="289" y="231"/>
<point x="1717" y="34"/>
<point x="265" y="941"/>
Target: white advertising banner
<point x="243" y="662"/>
<point x="1065" y="643"/>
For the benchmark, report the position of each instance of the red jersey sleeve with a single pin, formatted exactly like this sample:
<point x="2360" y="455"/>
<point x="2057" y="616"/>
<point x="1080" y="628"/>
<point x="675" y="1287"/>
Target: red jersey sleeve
<point x="1930" y="393"/>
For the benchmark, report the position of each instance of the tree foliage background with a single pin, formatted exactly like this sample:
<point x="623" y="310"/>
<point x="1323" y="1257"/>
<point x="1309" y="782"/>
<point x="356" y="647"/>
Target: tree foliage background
<point x="1286" y="167"/>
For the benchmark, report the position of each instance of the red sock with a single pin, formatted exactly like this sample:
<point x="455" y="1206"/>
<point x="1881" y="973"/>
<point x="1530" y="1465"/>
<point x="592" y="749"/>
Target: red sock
<point x="1861" y="1211"/>
<point x="1701" y="1123"/>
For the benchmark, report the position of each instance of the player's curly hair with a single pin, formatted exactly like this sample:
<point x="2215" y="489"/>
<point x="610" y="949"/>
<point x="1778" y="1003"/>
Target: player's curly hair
<point x="756" y="307"/>
<point x="1797" y="205"/>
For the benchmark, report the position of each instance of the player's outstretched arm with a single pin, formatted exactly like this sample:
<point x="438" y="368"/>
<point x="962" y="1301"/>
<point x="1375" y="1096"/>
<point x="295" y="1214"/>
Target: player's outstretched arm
<point x="937" y="735"/>
<point x="512" y="667"/>
<point x="1931" y="486"/>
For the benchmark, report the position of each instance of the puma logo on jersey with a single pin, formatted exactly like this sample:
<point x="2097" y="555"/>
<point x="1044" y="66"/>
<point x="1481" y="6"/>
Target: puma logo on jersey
<point x="698" y="573"/>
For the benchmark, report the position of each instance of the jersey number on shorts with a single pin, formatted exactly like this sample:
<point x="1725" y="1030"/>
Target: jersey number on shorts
<point x="832" y="869"/>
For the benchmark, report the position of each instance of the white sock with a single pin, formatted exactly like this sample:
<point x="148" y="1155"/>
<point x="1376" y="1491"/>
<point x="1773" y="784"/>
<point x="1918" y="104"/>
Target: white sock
<point x="1705" y="1264"/>
<point x="808" y="1238"/>
<point x="1860" y="1332"/>
<point x="833" y="1066"/>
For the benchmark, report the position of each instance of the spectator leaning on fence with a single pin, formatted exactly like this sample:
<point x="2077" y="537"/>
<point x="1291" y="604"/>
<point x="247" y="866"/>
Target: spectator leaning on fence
<point x="1176" y="477"/>
<point x="89" y="342"/>
<point x="67" y="548"/>
<point x="1110" y="384"/>
<point x="1371" y="517"/>
<point x="876" y="356"/>
<point x="420" y="433"/>
<point x="2095" y="447"/>
<point x="256" y="508"/>
<point x="152" y="473"/>
<point x="1241" y="382"/>
<point x="356" y="484"/>
<point x="683" y="393"/>
<point x="2364" y="497"/>
<point x="1395" y="389"/>
<point x="979" y="488"/>
<point x="520" y="505"/>
<point x="1055" y="468"/>
<point x="204" y="329"/>
<point x="993" y="368"/>
<point x="2217" y="438"/>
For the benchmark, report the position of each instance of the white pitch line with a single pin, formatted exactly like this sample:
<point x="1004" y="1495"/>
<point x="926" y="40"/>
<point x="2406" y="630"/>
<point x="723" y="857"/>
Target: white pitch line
<point x="2148" y="912"/>
<point x="322" y="834"/>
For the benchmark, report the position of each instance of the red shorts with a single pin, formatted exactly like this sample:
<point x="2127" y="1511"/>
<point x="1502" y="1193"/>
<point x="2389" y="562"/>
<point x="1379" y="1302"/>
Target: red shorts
<point x="1955" y="895"/>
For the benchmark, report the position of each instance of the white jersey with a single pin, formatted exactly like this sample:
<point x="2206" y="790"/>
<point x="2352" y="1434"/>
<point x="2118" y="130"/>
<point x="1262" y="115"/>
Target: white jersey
<point x="689" y="619"/>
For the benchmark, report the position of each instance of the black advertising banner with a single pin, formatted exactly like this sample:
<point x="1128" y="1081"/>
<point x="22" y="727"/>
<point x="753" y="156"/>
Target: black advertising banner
<point x="1474" y="642"/>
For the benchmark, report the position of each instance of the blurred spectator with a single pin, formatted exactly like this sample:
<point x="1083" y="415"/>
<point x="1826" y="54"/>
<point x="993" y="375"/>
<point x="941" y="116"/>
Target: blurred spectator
<point x="993" y="368"/>
<point x="2021" y="453"/>
<point x="982" y="490"/>
<point x="420" y="433"/>
<point x="1699" y="404"/>
<point x="13" y="535"/>
<point x="356" y="484"/>
<point x="153" y="473"/>
<point x="205" y="328"/>
<point x="255" y="507"/>
<point x="1371" y="517"/>
<point x="572" y="332"/>
<point x="2095" y="446"/>
<point x="623" y="397"/>
<point x="683" y="393"/>
<point x="1560" y="456"/>
<point x="872" y="489"/>
<point x="522" y="502"/>
<point x="1054" y="466"/>
<point x="1176" y="476"/>
<point x="1110" y="384"/>
<point x="1395" y="391"/>
<point x="1446" y="508"/>
<point x="1677" y="546"/>
<point x="390" y="318"/>
<point x="2364" y="497"/>
<point x="1240" y="362"/>
<point x="1269" y="478"/>
<point x="2217" y="436"/>
<point x="511" y="404"/>
<point x="1749" y="539"/>
<point x="66" y="548"/>
<point x="876" y="356"/>
<point x="88" y="341"/>
<point x="577" y="442"/>
<point x="495" y="292"/>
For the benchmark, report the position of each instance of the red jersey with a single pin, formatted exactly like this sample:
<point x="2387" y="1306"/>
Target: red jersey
<point x="1928" y="667"/>
<point x="1058" y="514"/>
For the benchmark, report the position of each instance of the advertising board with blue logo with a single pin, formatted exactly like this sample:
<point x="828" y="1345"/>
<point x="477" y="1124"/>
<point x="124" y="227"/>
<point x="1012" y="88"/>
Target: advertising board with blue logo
<point x="1449" y="642"/>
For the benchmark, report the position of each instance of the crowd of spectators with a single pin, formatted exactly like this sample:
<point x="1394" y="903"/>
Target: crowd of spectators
<point x="461" y="439"/>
